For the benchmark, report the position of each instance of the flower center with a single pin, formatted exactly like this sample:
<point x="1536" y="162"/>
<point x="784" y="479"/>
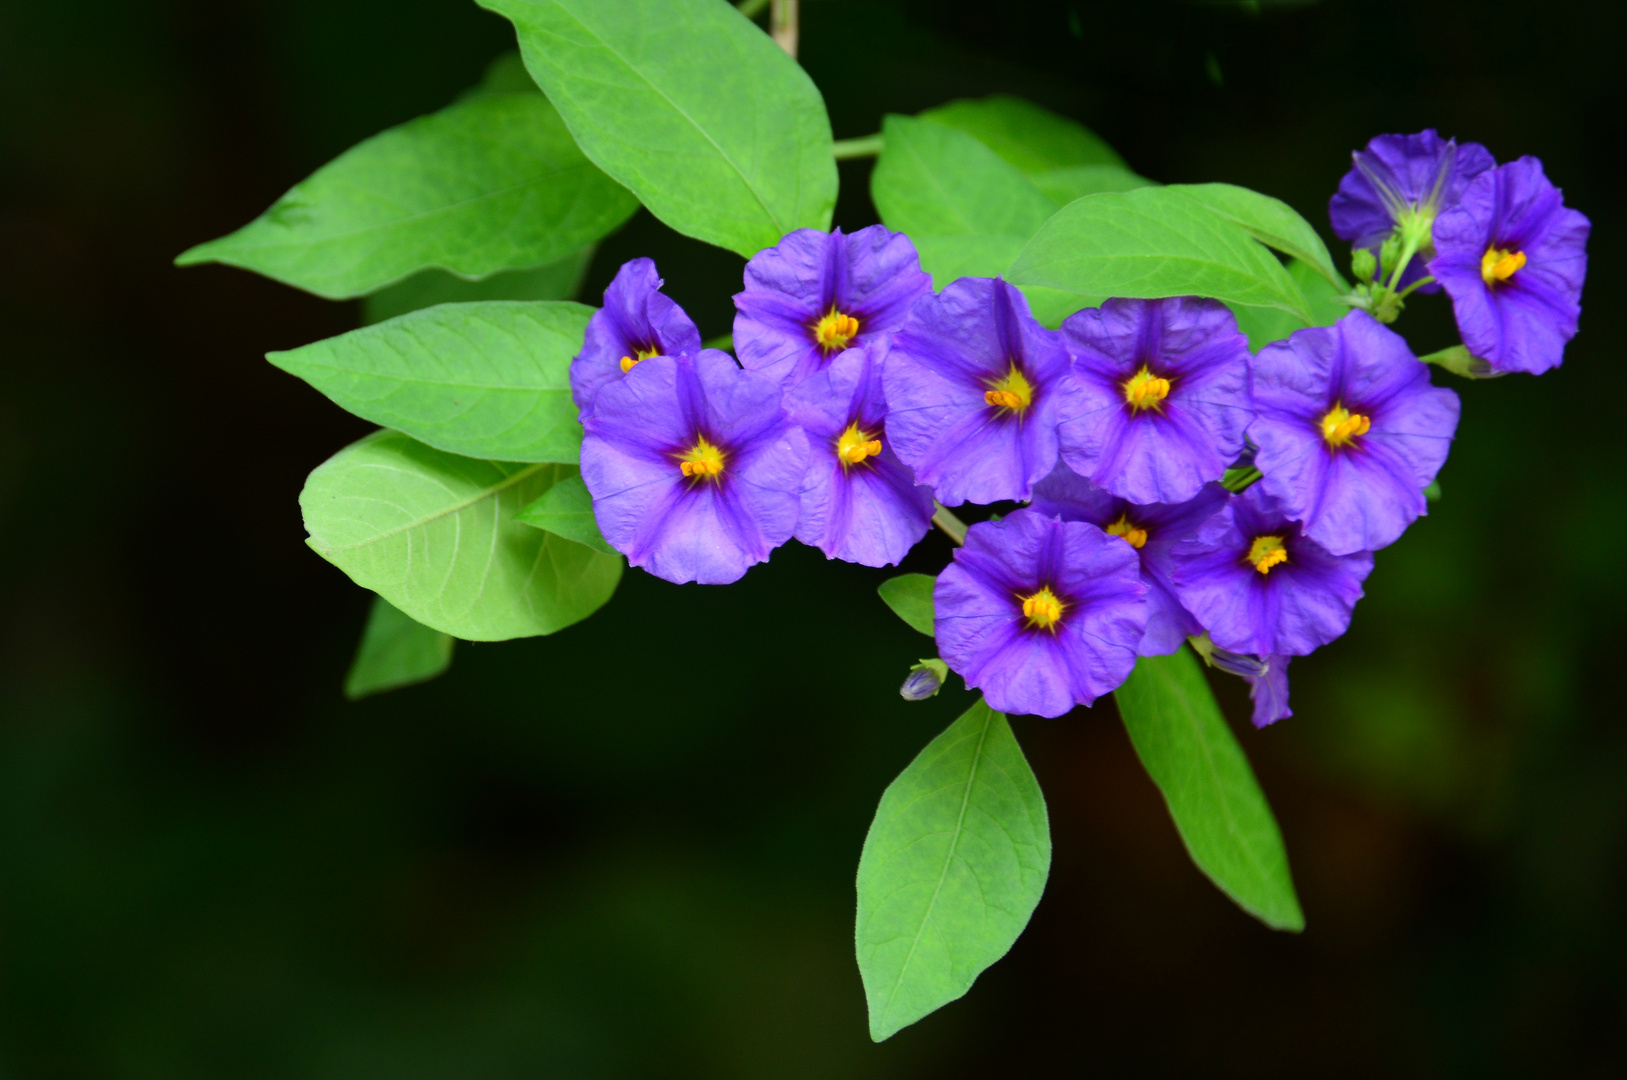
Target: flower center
<point x="701" y="460"/>
<point x="1266" y="552"/>
<point x="1341" y="426"/>
<point x="1497" y="265"/>
<point x="835" y="331"/>
<point x="629" y="362"/>
<point x="1122" y="527"/>
<point x="1043" y="609"/>
<point x="1144" y="390"/>
<point x="854" y="446"/>
<point x="1014" y="392"/>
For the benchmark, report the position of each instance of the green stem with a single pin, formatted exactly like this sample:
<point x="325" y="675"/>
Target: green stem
<point x="782" y="25"/>
<point x="848" y="149"/>
<point x="952" y="526"/>
<point x="1404" y="293"/>
<point x="752" y="8"/>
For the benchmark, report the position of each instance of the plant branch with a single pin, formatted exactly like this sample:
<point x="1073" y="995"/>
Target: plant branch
<point x="848" y="149"/>
<point x="952" y="526"/>
<point x="782" y="25"/>
<point x="751" y="8"/>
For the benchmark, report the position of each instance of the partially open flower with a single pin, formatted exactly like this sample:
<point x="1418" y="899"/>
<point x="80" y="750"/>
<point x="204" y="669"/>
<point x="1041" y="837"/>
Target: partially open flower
<point x="638" y="321"/>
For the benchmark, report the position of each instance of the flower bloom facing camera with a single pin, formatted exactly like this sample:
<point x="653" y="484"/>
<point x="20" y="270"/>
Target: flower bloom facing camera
<point x="1513" y="257"/>
<point x="1350" y="431"/>
<point x="1040" y="614"/>
<point x="638" y="321"/>
<point x="817" y="294"/>
<point x="694" y="469"/>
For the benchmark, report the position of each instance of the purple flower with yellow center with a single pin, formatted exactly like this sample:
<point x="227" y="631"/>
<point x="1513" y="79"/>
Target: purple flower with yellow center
<point x="1512" y="258"/>
<point x="1259" y="585"/>
<point x="973" y="383"/>
<point x="1398" y="186"/>
<point x="1159" y="399"/>
<point x="1040" y="614"/>
<point x="694" y="468"/>
<point x="859" y="502"/>
<point x="638" y="321"/>
<point x="816" y="294"/>
<point x="1152" y="530"/>
<point x="1349" y="431"/>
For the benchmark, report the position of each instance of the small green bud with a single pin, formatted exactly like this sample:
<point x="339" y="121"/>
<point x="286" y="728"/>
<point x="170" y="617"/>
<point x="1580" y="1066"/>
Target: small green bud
<point x="1389" y="253"/>
<point x="1363" y="264"/>
<point x="1459" y="361"/>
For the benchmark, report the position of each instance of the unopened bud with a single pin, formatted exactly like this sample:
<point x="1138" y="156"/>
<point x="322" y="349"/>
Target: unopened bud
<point x="1389" y="253"/>
<point x="925" y="680"/>
<point x="1363" y="264"/>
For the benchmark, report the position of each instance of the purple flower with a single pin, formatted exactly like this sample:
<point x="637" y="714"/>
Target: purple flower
<point x="1512" y="258"/>
<point x="637" y="322"/>
<point x="1403" y="183"/>
<point x="1152" y="529"/>
<point x="973" y="383"/>
<point x="1350" y="431"/>
<point x="859" y="502"/>
<point x="1260" y="585"/>
<point x="694" y="469"/>
<point x="817" y="293"/>
<point x="1040" y="614"/>
<point x="1159" y="398"/>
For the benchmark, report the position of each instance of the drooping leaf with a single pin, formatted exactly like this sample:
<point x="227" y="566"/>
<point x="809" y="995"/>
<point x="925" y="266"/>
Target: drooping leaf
<point x="493" y="182"/>
<point x="952" y="868"/>
<point x="1265" y="325"/>
<point x="1217" y="805"/>
<point x="910" y="597"/>
<point x="566" y="509"/>
<point x="1077" y="181"/>
<point x="487" y="380"/>
<point x="434" y="534"/>
<point x="690" y="106"/>
<point x="1270" y="221"/>
<point x="556" y="281"/>
<point x="396" y="651"/>
<point x="1032" y="138"/>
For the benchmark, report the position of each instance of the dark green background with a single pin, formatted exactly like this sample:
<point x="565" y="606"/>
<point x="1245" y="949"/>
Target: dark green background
<point x="628" y="850"/>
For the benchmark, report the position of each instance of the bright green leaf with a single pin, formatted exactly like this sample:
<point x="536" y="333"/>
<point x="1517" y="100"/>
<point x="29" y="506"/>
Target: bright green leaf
<point x="435" y="535"/>
<point x="952" y="868"/>
<point x="555" y="281"/>
<point x="487" y="380"/>
<point x="1077" y="181"/>
<point x="493" y="182"/>
<point x="1033" y="139"/>
<point x="1265" y="325"/>
<point x="1217" y="805"/>
<point x="1270" y="221"/>
<point x="910" y="597"/>
<point x="396" y="651"/>
<point x="690" y="106"/>
<point x="566" y="509"/>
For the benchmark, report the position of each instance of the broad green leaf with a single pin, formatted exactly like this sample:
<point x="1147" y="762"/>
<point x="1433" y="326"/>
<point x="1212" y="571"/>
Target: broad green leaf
<point x="493" y="182"/>
<point x="1217" y="805"/>
<point x="566" y="509"/>
<point x="556" y="281"/>
<point x="1265" y="325"/>
<point x="1153" y="242"/>
<point x="967" y="211"/>
<point x="487" y="380"/>
<point x="910" y="597"/>
<point x="396" y="651"/>
<point x="952" y="868"/>
<point x="1270" y="221"/>
<point x="1033" y="139"/>
<point x="435" y="535"/>
<point x="691" y="107"/>
<point x="1077" y="181"/>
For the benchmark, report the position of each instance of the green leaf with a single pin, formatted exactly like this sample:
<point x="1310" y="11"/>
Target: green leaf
<point x="1270" y="221"/>
<point x="493" y="182"/>
<point x="1265" y="325"/>
<point x="1153" y="242"/>
<point x="1033" y="139"/>
<point x="396" y="651"/>
<point x="910" y="597"/>
<point x="556" y="281"/>
<point x="1217" y="805"/>
<point x="487" y="380"/>
<point x="566" y="509"/>
<point x="1077" y="181"/>
<point x="952" y="868"/>
<point x="435" y="535"/>
<point x="690" y="106"/>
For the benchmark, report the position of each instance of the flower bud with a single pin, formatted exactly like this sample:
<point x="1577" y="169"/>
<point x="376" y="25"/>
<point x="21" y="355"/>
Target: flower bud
<point x="1389" y="253"/>
<point x="1363" y="264"/>
<point x="925" y="680"/>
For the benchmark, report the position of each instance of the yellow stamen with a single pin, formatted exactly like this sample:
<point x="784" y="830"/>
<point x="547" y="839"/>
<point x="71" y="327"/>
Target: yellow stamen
<point x="628" y="362"/>
<point x="703" y="460"/>
<point x="1341" y="426"/>
<point x="1043" y="609"/>
<point x="1013" y="392"/>
<point x="1497" y="265"/>
<point x="1122" y="527"/>
<point x="1144" y="390"/>
<point x="854" y="446"/>
<point x="1266" y="552"/>
<point x="835" y="331"/>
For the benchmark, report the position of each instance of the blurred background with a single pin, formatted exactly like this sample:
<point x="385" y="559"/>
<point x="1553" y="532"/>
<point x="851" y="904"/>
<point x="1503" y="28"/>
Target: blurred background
<point x="595" y="855"/>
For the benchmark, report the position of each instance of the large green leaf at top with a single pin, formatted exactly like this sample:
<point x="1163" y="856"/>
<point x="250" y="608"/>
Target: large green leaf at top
<point x="487" y="380"/>
<point x="1265" y="325"/>
<point x="689" y="105"/>
<point x="1032" y="138"/>
<point x="396" y="651"/>
<point x="434" y="534"/>
<point x="1270" y="221"/>
<point x="559" y="280"/>
<point x="1153" y="242"/>
<point x="1217" y="805"/>
<point x="491" y="183"/>
<point x="952" y="868"/>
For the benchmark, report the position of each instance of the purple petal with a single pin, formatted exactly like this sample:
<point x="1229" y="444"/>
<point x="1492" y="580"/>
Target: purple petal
<point x="636" y="317"/>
